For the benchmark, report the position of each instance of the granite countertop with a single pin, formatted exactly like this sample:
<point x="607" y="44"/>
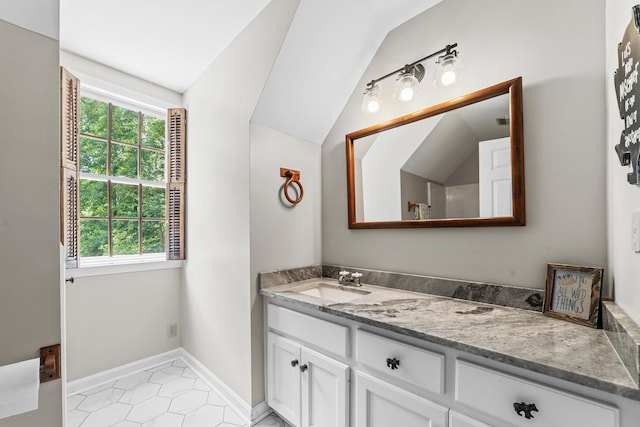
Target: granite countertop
<point x="522" y="338"/>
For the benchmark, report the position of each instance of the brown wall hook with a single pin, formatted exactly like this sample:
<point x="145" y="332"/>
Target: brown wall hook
<point x="293" y="177"/>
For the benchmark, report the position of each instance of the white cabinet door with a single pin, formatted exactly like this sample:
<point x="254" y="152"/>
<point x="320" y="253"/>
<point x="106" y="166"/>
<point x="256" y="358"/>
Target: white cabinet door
<point x="379" y="404"/>
<point x="325" y="391"/>
<point x="283" y="377"/>
<point x="458" y="420"/>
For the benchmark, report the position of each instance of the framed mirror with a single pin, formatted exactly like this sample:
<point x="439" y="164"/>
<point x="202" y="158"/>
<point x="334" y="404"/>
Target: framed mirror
<point x="455" y="164"/>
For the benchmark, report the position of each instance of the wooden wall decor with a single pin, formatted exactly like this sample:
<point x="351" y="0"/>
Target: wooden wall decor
<point x="628" y="97"/>
<point x="573" y="293"/>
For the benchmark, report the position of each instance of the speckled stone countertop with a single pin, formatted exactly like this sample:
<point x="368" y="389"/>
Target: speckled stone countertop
<point x="522" y="338"/>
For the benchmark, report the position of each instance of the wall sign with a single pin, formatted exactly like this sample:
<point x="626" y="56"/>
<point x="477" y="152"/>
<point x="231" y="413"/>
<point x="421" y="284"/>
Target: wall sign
<point x="628" y="96"/>
<point x="573" y="293"/>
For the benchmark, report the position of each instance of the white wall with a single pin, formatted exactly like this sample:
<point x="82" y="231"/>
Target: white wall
<point x="381" y="169"/>
<point x="413" y="189"/>
<point x="119" y="318"/>
<point x="29" y="209"/>
<point x="217" y="285"/>
<point x="623" y="198"/>
<point x="40" y="16"/>
<point x="558" y="49"/>
<point x="282" y="236"/>
<point x="105" y="79"/>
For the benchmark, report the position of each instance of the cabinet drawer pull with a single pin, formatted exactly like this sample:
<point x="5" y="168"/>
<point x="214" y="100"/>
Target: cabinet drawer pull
<point x="527" y="408"/>
<point x="294" y="363"/>
<point x="393" y="363"/>
<point x="303" y="368"/>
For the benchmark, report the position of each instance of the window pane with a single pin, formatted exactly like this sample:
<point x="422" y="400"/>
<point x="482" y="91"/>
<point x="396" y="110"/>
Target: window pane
<point x="125" y="237"/>
<point x="124" y="200"/>
<point x="94" y="237"/>
<point x="93" y="156"/>
<point x="124" y="125"/>
<point x="153" y="237"/>
<point x="93" y="117"/>
<point x="93" y="198"/>
<point x="153" y="202"/>
<point x="152" y="132"/>
<point x="152" y="167"/>
<point x="124" y="161"/>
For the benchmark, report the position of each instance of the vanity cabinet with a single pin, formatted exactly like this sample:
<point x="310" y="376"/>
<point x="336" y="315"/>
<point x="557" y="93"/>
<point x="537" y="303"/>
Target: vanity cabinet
<point x="304" y="386"/>
<point x="381" y="404"/>
<point x="400" y="381"/>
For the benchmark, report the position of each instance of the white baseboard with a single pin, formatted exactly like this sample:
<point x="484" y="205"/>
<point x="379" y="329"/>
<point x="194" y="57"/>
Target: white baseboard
<point x="79" y="385"/>
<point x="241" y="407"/>
<point x="260" y="411"/>
<point x="249" y="415"/>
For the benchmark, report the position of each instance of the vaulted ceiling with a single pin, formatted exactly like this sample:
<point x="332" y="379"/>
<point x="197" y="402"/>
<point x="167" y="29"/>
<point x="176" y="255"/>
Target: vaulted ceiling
<point x="328" y="46"/>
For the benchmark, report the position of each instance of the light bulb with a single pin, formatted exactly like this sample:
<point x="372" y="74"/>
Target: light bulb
<point x="373" y="106"/>
<point x="406" y="94"/>
<point x="449" y="70"/>
<point x="372" y="101"/>
<point x="448" y="77"/>
<point x="405" y="87"/>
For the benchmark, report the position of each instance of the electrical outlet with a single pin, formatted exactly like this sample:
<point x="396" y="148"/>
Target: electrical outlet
<point x="172" y="330"/>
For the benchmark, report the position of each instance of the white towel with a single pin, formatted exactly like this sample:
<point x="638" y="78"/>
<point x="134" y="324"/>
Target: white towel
<point x="421" y="211"/>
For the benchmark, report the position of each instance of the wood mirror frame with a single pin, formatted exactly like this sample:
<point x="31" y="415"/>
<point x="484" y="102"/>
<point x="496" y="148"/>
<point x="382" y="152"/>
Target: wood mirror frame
<point x="511" y="87"/>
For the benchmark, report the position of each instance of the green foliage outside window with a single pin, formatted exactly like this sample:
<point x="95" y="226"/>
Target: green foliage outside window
<point x="129" y="218"/>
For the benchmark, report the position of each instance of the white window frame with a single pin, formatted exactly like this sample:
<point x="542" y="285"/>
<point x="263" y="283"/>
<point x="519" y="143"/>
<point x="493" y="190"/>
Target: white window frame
<point x="104" y="265"/>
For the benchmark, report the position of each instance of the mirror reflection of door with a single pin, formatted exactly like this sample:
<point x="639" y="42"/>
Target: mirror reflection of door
<point x="495" y="177"/>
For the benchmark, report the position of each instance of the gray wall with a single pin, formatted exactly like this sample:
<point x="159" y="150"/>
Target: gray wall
<point x="217" y="289"/>
<point x="413" y="188"/>
<point x="29" y="209"/>
<point x="468" y="172"/>
<point x="282" y="236"/>
<point x="563" y="133"/>
<point x="117" y="319"/>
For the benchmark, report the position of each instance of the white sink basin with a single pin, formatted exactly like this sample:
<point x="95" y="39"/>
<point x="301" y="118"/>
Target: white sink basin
<point x="333" y="292"/>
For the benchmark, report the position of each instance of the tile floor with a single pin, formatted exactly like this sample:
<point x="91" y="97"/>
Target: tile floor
<point x="169" y="395"/>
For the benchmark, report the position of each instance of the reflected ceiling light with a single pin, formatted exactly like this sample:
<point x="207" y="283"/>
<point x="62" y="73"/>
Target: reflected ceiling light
<point x="448" y="69"/>
<point x="410" y="76"/>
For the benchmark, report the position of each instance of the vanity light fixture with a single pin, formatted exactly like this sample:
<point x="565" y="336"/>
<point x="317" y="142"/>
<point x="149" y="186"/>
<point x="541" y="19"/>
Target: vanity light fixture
<point x="449" y="69"/>
<point x="409" y="77"/>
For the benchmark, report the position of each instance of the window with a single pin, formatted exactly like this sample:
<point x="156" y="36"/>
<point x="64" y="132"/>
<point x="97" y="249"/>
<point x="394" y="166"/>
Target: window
<point x="123" y="179"/>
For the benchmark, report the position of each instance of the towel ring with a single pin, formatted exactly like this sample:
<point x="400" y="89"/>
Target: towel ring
<point x="293" y="177"/>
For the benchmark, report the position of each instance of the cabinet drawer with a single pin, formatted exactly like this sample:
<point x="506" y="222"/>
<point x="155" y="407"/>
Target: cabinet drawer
<point x="325" y="335"/>
<point x="495" y="393"/>
<point x="410" y="364"/>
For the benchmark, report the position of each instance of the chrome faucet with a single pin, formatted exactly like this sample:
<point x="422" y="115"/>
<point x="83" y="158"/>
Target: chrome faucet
<point x="345" y="277"/>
